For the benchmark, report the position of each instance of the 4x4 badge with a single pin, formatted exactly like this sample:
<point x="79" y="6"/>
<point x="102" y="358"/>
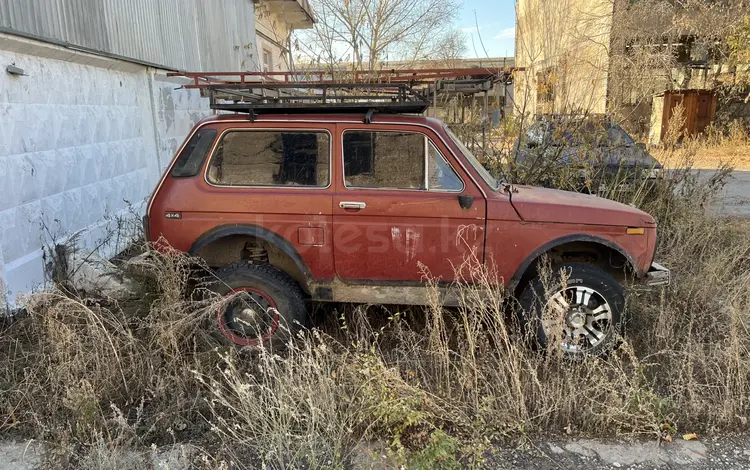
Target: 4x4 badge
<point x="173" y="215"/>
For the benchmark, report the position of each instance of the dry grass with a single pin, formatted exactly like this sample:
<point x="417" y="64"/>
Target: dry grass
<point x="735" y="155"/>
<point x="730" y="147"/>
<point x="436" y="386"/>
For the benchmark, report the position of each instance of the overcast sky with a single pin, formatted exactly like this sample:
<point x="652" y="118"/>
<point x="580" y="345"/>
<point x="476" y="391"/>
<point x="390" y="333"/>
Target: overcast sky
<point x="497" y="27"/>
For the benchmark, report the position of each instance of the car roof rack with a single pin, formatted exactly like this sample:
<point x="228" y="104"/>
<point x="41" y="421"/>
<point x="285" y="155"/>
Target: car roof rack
<point x="262" y="98"/>
<point x="382" y="91"/>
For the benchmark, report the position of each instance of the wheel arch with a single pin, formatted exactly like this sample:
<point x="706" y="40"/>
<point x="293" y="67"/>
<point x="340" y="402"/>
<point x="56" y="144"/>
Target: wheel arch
<point x="529" y="262"/>
<point x="301" y="271"/>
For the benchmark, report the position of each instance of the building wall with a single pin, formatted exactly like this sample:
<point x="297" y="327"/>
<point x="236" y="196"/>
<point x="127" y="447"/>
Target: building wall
<point x="84" y="140"/>
<point x="563" y="48"/>
<point x="198" y="35"/>
<point x="273" y="33"/>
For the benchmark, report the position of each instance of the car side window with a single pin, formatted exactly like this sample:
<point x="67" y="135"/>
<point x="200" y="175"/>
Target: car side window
<point x="396" y="160"/>
<point x="271" y="158"/>
<point x="441" y="175"/>
<point x="393" y="160"/>
<point x="192" y="156"/>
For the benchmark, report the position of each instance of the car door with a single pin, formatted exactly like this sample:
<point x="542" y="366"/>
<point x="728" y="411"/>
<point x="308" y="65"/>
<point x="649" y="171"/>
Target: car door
<point x="403" y="208"/>
<point x="259" y="177"/>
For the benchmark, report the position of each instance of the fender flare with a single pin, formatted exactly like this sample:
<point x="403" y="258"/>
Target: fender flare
<point x="578" y="237"/>
<point x="255" y="231"/>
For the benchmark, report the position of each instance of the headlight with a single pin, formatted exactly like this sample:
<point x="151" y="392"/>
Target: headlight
<point x="656" y="173"/>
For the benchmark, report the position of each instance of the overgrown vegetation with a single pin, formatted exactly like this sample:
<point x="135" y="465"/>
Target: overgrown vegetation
<point x="431" y="388"/>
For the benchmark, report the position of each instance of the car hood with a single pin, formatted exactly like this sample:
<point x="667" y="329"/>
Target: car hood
<point x="629" y="157"/>
<point x="551" y="205"/>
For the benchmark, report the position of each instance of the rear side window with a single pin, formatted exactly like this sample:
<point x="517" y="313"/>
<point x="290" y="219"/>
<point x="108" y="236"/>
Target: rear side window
<point x="191" y="158"/>
<point x="396" y="160"/>
<point x="271" y="158"/>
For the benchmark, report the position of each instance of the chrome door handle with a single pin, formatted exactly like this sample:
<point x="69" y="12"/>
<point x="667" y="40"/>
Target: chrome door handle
<point x="352" y="205"/>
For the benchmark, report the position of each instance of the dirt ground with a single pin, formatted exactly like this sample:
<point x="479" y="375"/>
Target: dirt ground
<point x="709" y="157"/>
<point x="736" y="155"/>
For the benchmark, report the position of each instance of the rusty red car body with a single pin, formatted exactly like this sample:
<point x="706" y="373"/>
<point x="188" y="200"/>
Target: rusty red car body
<point x="339" y="240"/>
<point x="399" y="231"/>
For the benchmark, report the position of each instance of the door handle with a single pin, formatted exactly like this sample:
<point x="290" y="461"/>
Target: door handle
<point x="352" y="205"/>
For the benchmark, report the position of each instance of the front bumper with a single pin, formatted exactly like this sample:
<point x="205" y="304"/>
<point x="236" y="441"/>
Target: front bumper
<point x="657" y="275"/>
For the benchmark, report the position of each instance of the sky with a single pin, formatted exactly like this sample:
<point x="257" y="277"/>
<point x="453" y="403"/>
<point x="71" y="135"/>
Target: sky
<point x="496" y="21"/>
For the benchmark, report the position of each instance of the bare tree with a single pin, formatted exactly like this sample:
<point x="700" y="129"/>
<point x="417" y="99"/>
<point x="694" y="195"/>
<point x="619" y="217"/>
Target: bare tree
<point x="368" y="32"/>
<point x="739" y="42"/>
<point x="660" y="45"/>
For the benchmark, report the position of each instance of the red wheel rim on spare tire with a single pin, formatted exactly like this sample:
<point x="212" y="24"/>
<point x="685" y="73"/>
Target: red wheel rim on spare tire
<point x="251" y="307"/>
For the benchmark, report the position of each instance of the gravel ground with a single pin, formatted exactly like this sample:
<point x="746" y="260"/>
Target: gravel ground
<point x="720" y="453"/>
<point x="20" y="455"/>
<point x="735" y="197"/>
<point x="30" y="455"/>
<point x="723" y="453"/>
<point x="737" y="194"/>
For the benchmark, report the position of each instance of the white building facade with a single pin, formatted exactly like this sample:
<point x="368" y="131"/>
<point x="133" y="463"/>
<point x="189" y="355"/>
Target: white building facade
<point x="89" y="119"/>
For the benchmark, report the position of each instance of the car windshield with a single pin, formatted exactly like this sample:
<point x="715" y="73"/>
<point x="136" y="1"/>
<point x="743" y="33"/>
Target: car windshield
<point x="483" y="173"/>
<point x="618" y="136"/>
<point x="577" y="133"/>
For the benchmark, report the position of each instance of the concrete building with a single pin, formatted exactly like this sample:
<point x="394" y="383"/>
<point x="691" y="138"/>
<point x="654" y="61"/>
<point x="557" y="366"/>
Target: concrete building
<point x="622" y="58"/>
<point x="562" y="53"/>
<point x="274" y="22"/>
<point x="89" y="120"/>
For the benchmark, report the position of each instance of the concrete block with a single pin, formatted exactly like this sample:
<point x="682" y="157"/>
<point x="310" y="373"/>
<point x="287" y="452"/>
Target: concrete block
<point x="25" y="275"/>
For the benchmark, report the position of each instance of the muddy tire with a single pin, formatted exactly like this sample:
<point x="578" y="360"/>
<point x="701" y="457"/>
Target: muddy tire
<point x="263" y="307"/>
<point x="582" y="310"/>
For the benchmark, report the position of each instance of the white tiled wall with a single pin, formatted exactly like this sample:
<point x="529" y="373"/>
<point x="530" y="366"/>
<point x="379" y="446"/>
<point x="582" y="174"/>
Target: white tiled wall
<point x="176" y="112"/>
<point x="76" y="142"/>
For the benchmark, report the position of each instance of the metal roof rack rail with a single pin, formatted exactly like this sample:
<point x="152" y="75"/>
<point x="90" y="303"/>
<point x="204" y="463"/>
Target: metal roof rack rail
<point x="306" y="98"/>
<point x="382" y="91"/>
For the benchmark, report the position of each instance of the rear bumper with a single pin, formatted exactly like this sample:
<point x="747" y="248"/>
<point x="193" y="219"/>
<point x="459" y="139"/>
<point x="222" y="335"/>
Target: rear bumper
<point x="657" y="275"/>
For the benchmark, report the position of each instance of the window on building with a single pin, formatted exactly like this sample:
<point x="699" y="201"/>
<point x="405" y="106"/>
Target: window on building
<point x="545" y="86"/>
<point x="267" y="61"/>
<point x="271" y="158"/>
<point x="396" y="160"/>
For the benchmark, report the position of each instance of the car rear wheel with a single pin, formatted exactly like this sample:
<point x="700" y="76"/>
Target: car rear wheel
<point x="580" y="307"/>
<point x="262" y="306"/>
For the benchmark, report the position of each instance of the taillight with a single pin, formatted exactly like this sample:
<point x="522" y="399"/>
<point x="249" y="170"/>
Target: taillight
<point x="146" y="229"/>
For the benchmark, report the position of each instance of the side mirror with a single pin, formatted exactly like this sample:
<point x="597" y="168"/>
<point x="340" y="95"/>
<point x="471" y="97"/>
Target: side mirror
<point x="465" y="201"/>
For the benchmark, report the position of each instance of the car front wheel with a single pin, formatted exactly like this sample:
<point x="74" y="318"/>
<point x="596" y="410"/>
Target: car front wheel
<point x="579" y="307"/>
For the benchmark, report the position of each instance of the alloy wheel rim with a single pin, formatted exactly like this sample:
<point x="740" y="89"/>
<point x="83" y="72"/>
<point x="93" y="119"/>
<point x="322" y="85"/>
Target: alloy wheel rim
<point x="579" y="317"/>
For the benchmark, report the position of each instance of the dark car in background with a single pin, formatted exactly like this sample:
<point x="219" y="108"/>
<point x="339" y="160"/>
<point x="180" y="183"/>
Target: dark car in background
<point x="590" y="151"/>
